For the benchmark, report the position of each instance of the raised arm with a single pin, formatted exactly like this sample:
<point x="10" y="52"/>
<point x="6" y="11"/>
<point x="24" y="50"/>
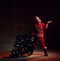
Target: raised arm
<point x="47" y="24"/>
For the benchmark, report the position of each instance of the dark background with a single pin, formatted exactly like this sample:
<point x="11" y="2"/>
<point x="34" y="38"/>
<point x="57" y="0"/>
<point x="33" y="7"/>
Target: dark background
<point x="17" y="16"/>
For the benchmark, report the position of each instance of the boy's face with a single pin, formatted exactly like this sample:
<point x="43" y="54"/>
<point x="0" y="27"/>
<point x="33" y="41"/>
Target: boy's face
<point x="38" y="19"/>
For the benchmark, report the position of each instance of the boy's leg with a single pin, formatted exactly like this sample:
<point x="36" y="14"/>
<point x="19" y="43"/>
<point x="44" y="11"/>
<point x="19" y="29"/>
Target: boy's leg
<point x="43" y="45"/>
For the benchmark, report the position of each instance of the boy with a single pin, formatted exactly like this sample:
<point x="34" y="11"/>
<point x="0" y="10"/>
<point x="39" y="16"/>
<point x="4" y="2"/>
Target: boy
<point x="39" y="26"/>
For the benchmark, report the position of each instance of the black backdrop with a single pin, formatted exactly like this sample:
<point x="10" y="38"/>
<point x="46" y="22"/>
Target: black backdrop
<point x="17" y="16"/>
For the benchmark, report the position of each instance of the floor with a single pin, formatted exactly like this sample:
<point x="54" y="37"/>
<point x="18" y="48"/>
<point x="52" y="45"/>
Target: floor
<point x="36" y="56"/>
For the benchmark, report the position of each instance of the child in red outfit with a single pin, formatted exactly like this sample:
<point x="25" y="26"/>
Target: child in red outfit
<point x="40" y="32"/>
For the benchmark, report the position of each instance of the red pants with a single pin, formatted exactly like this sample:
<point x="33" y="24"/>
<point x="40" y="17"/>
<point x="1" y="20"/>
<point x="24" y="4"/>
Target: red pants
<point x="42" y="42"/>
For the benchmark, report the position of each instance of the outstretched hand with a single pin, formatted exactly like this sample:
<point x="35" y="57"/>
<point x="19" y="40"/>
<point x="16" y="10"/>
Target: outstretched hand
<point x="49" y="22"/>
